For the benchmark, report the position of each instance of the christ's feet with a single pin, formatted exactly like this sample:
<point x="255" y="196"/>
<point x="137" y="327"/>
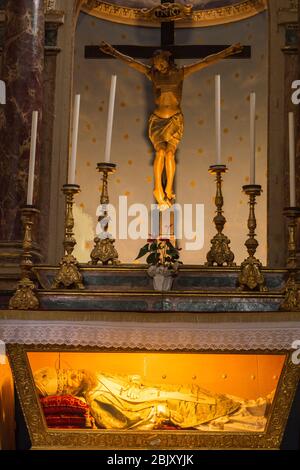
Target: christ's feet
<point x="159" y="196"/>
<point x="161" y="200"/>
<point x="170" y="194"/>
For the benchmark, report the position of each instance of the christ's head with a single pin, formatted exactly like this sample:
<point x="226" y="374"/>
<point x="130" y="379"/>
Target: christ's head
<point x="163" y="60"/>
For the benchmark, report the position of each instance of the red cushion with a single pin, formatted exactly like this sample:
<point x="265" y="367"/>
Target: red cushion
<point x="66" y="421"/>
<point x="64" y="404"/>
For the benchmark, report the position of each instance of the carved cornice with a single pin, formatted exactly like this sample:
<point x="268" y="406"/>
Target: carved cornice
<point x="199" y="18"/>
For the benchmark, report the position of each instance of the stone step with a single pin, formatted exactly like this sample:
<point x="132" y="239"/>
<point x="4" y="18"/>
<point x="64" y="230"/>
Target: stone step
<point x="157" y="302"/>
<point x="135" y="278"/>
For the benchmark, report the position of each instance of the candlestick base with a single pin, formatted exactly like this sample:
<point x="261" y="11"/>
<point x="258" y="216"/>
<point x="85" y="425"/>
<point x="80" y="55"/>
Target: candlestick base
<point x="220" y="253"/>
<point x="69" y="274"/>
<point x="104" y="250"/>
<point x="25" y="297"/>
<point x="291" y="302"/>
<point x="251" y="276"/>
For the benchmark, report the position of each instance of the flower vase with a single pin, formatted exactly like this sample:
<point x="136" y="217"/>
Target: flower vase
<point x="163" y="277"/>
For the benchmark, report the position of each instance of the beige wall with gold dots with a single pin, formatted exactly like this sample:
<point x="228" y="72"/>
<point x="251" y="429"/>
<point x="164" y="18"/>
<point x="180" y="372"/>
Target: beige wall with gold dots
<point x="132" y="151"/>
<point x="248" y="376"/>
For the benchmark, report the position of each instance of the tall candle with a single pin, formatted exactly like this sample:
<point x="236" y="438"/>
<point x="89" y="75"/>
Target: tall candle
<point x="110" y="117"/>
<point x="2" y="92"/>
<point x="218" y="117"/>
<point x="34" y="124"/>
<point x="72" y="162"/>
<point x="252" y="136"/>
<point x="292" y="159"/>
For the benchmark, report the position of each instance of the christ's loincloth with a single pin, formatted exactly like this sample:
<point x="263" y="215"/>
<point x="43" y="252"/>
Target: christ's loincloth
<point x="166" y="131"/>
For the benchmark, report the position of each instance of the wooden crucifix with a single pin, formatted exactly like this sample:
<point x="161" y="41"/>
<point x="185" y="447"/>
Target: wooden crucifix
<point x="166" y="121"/>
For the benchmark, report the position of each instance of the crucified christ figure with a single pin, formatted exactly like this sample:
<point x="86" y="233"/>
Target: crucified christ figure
<point x="166" y="121"/>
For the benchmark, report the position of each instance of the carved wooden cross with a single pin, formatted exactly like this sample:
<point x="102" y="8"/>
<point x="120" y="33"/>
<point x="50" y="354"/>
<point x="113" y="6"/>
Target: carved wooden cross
<point x="167" y="43"/>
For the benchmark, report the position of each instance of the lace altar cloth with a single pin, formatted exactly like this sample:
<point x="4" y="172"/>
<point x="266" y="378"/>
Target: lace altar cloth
<point x="153" y="336"/>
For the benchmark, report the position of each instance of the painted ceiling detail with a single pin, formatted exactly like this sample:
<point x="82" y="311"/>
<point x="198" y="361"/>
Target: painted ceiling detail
<point x="204" y="13"/>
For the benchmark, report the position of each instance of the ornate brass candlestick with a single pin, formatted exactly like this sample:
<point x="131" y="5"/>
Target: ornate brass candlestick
<point x="292" y="298"/>
<point x="69" y="274"/>
<point x="104" y="250"/>
<point x="25" y="297"/>
<point x="251" y="276"/>
<point x="220" y="252"/>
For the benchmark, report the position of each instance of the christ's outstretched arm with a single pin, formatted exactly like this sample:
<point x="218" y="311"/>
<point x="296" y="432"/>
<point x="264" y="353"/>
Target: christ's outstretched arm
<point x="135" y="64"/>
<point x="212" y="59"/>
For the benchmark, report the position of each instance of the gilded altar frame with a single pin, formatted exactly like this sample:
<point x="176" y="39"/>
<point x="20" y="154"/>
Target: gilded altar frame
<point x="46" y="438"/>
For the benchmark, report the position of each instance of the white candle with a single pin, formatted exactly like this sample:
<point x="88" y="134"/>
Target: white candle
<point x="110" y="117"/>
<point x="2" y="92"/>
<point x="292" y="159"/>
<point x="252" y="136"/>
<point x="72" y="162"/>
<point x="34" y="124"/>
<point x="218" y="117"/>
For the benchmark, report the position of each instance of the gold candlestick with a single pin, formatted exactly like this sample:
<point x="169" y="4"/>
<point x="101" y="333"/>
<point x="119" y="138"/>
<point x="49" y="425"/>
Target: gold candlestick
<point x="291" y="300"/>
<point x="69" y="274"/>
<point x="25" y="297"/>
<point x="251" y="276"/>
<point x="104" y="250"/>
<point x="220" y="252"/>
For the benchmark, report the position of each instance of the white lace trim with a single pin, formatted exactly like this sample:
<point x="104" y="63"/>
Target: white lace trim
<point x="158" y="336"/>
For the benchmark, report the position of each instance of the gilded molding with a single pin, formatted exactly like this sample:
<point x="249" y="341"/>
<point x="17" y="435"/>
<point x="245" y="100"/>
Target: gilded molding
<point x="44" y="438"/>
<point x="199" y="18"/>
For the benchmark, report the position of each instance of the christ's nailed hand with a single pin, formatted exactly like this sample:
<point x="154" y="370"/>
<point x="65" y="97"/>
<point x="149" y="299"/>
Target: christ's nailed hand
<point x="235" y="48"/>
<point x="106" y="48"/>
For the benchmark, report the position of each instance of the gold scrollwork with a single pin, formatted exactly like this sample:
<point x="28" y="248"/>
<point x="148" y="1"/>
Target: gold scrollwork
<point x="49" y="5"/>
<point x="198" y="18"/>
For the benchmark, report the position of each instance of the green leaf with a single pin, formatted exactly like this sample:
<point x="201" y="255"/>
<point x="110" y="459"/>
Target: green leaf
<point x="153" y="258"/>
<point x="143" y="251"/>
<point x="153" y="246"/>
<point x="169" y="244"/>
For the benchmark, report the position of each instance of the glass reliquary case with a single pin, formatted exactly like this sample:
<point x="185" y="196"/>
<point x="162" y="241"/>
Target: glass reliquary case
<point x="75" y="397"/>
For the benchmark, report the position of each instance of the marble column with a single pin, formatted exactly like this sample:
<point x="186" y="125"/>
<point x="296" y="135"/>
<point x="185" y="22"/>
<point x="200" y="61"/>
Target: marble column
<point x="22" y="70"/>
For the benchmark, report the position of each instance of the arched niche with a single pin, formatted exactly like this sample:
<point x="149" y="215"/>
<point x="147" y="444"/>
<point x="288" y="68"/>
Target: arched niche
<point x="275" y="234"/>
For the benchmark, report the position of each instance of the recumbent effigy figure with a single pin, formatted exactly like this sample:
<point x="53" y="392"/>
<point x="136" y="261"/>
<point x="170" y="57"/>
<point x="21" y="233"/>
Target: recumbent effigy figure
<point x="127" y="402"/>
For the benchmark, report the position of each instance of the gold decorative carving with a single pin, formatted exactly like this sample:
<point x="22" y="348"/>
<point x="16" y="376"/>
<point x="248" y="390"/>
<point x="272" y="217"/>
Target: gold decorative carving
<point x="220" y="252"/>
<point x="25" y="297"/>
<point x="198" y="18"/>
<point x="44" y="438"/>
<point x="291" y="302"/>
<point x="69" y="274"/>
<point x="104" y="250"/>
<point x="168" y="12"/>
<point x="49" y="5"/>
<point x="251" y="276"/>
